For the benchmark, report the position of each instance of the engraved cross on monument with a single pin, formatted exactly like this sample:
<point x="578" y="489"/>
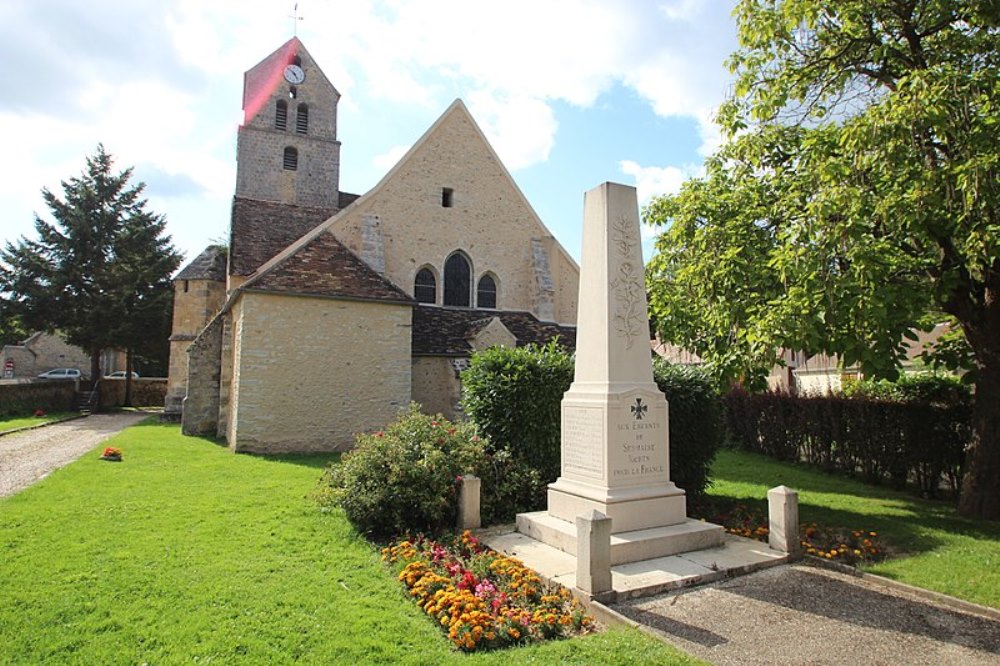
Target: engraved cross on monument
<point x="615" y="453"/>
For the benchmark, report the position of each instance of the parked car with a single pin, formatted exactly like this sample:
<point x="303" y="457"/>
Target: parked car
<point x="62" y="373"/>
<point x="120" y="374"/>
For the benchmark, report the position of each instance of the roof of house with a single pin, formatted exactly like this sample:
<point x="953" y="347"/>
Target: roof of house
<point x="209" y="265"/>
<point x="324" y="267"/>
<point x="262" y="229"/>
<point x="445" y="331"/>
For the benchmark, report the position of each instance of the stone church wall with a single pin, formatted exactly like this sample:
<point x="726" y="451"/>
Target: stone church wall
<point x="488" y="219"/>
<point x="311" y="372"/>
<point x="201" y="406"/>
<point x="195" y="303"/>
<point x="436" y="386"/>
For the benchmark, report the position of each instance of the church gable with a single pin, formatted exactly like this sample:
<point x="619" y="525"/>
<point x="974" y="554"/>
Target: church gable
<point x="449" y="195"/>
<point x="322" y="266"/>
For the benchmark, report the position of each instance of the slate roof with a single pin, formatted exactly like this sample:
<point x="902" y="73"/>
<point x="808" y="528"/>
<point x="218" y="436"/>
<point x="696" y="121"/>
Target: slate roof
<point x="324" y="267"/>
<point x="209" y="265"/>
<point x="443" y="331"/>
<point x="262" y="229"/>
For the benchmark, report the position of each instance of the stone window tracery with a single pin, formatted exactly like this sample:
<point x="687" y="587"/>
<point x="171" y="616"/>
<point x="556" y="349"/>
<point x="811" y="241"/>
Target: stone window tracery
<point x="457" y="281"/>
<point x="425" y="286"/>
<point x="486" y="292"/>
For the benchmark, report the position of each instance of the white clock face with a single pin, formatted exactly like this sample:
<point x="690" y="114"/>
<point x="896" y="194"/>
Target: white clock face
<point x="294" y="74"/>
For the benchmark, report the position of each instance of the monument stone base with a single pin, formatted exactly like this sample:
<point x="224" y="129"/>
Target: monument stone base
<point x="626" y="547"/>
<point x="630" y="509"/>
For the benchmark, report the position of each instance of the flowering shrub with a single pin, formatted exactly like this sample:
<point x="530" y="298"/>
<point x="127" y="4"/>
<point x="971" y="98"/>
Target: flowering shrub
<point x="483" y="599"/>
<point x="404" y="478"/>
<point x="852" y="548"/>
<point x="111" y="453"/>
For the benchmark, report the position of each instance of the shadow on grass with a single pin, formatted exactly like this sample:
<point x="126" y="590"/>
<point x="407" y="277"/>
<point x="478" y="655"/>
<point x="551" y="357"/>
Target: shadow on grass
<point x="906" y="523"/>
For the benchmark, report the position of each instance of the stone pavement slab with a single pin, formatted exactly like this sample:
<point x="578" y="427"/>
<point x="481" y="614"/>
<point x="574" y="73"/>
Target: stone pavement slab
<point x="802" y="614"/>
<point x="736" y="556"/>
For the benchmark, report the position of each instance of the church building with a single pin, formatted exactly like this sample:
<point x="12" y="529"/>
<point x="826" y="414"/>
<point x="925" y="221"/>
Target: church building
<point x="330" y="311"/>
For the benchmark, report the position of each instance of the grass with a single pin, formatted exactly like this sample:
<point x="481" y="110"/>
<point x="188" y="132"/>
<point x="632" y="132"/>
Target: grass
<point x="14" y="422"/>
<point x="185" y="552"/>
<point x="933" y="547"/>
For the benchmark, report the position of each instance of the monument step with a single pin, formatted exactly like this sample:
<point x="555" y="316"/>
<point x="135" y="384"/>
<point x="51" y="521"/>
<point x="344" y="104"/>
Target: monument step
<point x="734" y="557"/>
<point x="626" y="547"/>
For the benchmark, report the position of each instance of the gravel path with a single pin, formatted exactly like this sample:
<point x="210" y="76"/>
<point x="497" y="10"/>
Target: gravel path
<point x="31" y="455"/>
<point x="799" y="614"/>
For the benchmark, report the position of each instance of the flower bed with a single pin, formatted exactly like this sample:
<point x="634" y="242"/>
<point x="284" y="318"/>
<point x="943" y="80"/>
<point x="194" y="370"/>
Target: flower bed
<point x="851" y="547"/>
<point x="483" y="599"/>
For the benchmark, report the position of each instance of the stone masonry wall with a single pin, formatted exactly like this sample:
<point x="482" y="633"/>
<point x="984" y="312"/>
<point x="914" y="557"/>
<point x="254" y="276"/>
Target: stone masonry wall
<point x="436" y="386"/>
<point x="195" y="303"/>
<point x="488" y="219"/>
<point x="336" y="368"/>
<point x="201" y="405"/>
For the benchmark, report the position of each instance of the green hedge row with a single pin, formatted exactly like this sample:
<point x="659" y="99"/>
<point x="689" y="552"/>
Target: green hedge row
<point x="917" y="433"/>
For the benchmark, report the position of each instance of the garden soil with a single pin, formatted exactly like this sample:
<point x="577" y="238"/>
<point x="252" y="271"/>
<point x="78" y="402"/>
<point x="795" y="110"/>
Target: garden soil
<point x="803" y="614"/>
<point x="30" y="455"/>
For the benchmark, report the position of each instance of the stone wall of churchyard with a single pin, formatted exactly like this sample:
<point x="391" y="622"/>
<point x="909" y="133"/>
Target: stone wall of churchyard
<point x="24" y="397"/>
<point x="436" y="385"/>
<point x="309" y="373"/>
<point x="146" y="392"/>
<point x="488" y="219"/>
<point x="201" y="405"/>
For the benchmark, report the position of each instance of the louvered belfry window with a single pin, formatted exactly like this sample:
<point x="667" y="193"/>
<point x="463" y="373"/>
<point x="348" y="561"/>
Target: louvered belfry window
<point x="291" y="161"/>
<point x="302" y="119"/>
<point x="281" y="115"/>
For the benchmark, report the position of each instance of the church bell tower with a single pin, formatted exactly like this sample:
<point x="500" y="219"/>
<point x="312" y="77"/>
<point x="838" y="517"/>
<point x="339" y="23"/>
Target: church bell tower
<point x="288" y="150"/>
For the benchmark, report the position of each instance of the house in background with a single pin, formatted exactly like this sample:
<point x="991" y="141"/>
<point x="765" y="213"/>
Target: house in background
<point x="817" y="374"/>
<point x="42" y="352"/>
<point x="332" y="311"/>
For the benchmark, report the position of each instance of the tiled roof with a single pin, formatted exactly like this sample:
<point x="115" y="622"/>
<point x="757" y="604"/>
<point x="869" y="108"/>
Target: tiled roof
<point x="324" y="267"/>
<point x="262" y="229"/>
<point x="443" y="331"/>
<point x="209" y="265"/>
<point x="345" y="199"/>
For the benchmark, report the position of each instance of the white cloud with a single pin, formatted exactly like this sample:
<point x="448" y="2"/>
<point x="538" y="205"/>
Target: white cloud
<point x="389" y="158"/>
<point x="521" y="129"/>
<point x="652" y="181"/>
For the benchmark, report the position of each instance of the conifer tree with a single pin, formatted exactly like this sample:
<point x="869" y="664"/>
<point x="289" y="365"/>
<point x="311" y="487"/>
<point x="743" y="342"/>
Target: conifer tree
<point x="100" y="274"/>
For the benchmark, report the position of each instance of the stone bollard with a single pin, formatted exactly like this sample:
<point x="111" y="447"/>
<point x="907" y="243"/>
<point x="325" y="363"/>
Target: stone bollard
<point x="468" y="503"/>
<point x="783" y="516"/>
<point x="593" y="553"/>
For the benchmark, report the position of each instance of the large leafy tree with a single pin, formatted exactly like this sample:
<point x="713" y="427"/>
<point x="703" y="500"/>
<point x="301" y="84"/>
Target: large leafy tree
<point x="101" y="273"/>
<point x="857" y="196"/>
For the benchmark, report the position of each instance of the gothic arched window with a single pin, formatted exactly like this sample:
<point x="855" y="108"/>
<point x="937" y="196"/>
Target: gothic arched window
<point x="425" y="286"/>
<point x="457" y="280"/>
<point x="486" y="292"/>
<point x="291" y="159"/>
<point x="302" y="118"/>
<point x="281" y="114"/>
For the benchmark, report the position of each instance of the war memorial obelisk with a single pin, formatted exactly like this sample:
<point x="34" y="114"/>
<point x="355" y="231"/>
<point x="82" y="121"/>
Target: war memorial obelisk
<point x="615" y="453"/>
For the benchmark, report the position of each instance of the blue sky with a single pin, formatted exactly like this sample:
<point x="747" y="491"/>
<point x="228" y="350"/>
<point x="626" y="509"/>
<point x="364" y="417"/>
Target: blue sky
<point x="571" y="93"/>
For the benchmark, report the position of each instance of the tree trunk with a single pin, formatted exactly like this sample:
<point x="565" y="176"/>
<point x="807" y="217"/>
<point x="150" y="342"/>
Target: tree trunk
<point x="95" y="366"/>
<point x="128" y="377"/>
<point x="980" y="496"/>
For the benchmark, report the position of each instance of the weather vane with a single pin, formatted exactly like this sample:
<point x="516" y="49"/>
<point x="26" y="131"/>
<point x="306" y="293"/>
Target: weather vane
<point x="295" y="19"/>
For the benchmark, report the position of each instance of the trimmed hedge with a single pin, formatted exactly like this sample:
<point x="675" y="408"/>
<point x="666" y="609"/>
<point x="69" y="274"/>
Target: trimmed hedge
<point x="916" y="430"/>
<point x="513" y="395"/>
<point x="696" y="424"/>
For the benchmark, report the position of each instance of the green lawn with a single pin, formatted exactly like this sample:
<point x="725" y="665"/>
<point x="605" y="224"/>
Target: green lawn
<point x="186" y="553"/>
<point x="936" y="548"/>
<point x="13" y="422"/>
